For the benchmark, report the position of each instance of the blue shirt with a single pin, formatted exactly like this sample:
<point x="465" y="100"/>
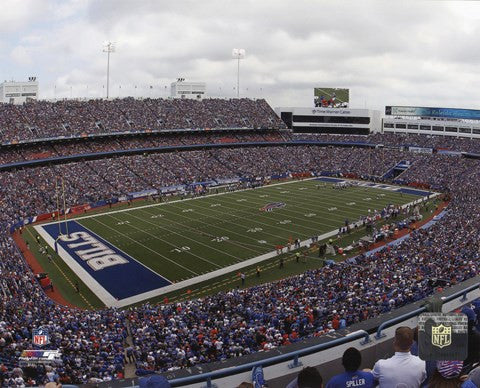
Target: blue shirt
<point x="352" y="380"/>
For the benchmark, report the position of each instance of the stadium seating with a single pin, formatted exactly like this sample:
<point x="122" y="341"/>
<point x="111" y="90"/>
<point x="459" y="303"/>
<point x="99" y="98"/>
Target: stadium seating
<point x="438" y="142"/>
<point x="80" y="118"/>
<point x="229" y="324"/>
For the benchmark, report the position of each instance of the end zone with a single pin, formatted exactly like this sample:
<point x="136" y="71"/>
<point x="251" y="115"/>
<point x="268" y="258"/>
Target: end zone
<point x="110" y="273"/>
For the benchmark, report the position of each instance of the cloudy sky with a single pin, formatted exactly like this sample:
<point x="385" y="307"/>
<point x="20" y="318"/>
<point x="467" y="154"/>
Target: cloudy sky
<point x="387" y="52"/>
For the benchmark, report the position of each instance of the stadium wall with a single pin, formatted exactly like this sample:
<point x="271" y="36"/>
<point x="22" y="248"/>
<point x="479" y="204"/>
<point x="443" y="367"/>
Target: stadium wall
<point x="436" y="127"/>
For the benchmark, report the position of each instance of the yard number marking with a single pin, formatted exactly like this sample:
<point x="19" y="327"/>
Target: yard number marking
<point x="220" y="239"/>
<point x="181" y="249"/>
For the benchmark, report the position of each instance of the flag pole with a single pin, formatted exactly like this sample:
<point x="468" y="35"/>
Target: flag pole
<point x="64" y="206"/>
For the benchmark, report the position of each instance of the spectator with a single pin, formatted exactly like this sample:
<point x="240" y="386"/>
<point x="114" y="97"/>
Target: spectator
<point x="308" y="377"/>
<point x="447" y="375"/>
<point x="153" y="381"/>
<point x="403" y="367"/>
<point x="473" y="338"/>
<point x="473" y="380"/>
<point x="352" y="377"/>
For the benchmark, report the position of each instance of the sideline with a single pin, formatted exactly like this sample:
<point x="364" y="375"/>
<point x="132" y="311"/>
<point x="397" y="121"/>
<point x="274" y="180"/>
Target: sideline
<point x="424" y="224"/>
<point x="112" y="302"/>
<point x="36" y="268"/>
<point x="183" y="200"/>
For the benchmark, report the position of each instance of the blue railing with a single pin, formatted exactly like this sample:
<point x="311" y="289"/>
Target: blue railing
<point x="395" y="320"/>
<point x="420" y="310"/>
<point x="208" y="377"/>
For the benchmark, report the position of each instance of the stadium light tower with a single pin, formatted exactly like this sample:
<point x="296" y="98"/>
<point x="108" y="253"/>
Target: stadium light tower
<point x="238" y="54"/>
<point x="108" y="47"/>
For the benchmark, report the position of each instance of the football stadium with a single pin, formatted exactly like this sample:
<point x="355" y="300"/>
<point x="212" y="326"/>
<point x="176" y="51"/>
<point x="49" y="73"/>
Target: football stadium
<point x="195" y="240"/>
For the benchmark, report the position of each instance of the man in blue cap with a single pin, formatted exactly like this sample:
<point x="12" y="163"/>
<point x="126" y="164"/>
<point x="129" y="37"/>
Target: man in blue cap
<point x="153" y="381"/>
<point x="473" y="337"/>
<point x="476" y="310"/>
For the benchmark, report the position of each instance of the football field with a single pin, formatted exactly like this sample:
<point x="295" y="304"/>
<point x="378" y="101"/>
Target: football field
<point x="136" y="253"/>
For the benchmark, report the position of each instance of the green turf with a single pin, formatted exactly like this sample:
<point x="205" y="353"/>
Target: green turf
<point x="182" y="239"/>
<point x="185" y="239"/>
<point x="270" y="270"/>
<point x="63" y="278"/>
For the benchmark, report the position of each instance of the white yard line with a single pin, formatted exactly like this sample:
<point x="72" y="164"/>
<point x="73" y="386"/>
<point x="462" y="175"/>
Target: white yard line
<point x="144" y="246"/>
<point x="183" y="200"/>
<point x="173" y="245"/>
<point x="214" y="225"/>
<point x="300" y="214"/>
<point x="110" y="301"/>
<point x="231" y="268"/>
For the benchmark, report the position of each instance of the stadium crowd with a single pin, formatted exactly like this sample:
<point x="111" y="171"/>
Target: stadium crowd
<point x="450" y="143"/>
<point x="240" y="321"/>
<point x="26" y="152"/>
<point x="42" y="119"/>
<point x="90" y="181"/>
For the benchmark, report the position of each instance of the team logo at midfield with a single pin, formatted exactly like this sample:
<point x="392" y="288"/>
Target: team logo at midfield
<point x="40" y="336"/>
<point x="272" y="206"/>
<point x="441" y="336"/>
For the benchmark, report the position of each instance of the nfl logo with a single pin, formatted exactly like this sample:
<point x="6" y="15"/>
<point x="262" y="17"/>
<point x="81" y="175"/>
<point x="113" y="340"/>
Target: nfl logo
<point x="441" y="336"/>
<point x="40" y="336"/>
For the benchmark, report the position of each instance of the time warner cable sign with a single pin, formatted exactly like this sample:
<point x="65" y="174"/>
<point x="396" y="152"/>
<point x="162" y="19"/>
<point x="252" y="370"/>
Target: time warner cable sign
<point x="108" y="271"/>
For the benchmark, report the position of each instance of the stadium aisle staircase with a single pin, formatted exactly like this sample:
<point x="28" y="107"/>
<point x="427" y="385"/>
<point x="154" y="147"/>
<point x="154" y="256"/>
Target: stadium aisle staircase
<point x="130" y="368"/>
<point x="221" y="161"/>
<point x="397" y="170"/>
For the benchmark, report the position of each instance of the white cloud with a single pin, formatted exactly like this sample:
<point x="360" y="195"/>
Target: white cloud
<point x="407" y="52"/>
<point x="20" y="56"/>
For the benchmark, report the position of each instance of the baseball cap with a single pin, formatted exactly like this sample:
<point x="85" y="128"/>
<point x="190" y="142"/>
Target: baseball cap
<point x="154" y="381"/>
<point x="469" y="313"/>
<point x="449" y="369"/>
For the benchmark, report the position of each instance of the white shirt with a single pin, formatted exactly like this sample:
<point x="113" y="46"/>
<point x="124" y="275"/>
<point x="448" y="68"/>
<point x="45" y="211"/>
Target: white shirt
<point x="403" y="370"/>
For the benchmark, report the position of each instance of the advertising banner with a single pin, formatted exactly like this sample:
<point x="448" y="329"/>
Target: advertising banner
<point x="456" y="113"/>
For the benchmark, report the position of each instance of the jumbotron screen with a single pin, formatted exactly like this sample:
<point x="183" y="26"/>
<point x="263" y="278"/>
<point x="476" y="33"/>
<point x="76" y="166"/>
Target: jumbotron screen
<point x="331" y="97"/>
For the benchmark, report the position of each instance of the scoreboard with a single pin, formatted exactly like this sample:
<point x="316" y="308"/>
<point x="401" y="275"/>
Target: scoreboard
<point x="331" y="120"/>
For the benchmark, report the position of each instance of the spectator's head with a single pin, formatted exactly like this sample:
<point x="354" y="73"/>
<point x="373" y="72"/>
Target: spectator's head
<point x="449" y="369"/>
<point x="471" y="316"/>
<point x="351" y="359"/>
<point x="245" y="385"/>
<point x="309" y="377"/>
<point x="447" y="375"/>
<point x="403" y="339"/>
<point x="154" y="381"/>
